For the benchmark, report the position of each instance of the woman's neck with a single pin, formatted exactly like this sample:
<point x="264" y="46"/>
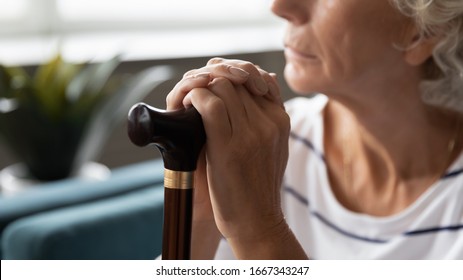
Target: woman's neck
<point x="390" y="151"/>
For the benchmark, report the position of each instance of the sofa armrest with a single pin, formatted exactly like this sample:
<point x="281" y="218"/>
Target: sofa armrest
<point x="69" y="192"/>
<point x="64" y="193"/>
<point x="128" y="226"/>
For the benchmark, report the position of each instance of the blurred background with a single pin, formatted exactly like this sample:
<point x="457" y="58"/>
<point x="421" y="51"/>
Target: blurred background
<point x="145" y="33"/>
<point x="72" y="185"/>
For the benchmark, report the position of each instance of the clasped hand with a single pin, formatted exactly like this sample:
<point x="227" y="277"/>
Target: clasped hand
<point x="241" y="169"/>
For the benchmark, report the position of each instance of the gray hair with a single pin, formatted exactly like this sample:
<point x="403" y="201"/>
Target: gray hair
<point x="443" y="18"/>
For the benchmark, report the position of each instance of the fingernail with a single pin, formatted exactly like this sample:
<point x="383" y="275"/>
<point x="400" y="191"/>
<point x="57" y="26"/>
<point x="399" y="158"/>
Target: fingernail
<point x="203" y="75"/>
<point x="238" y="72"/>
<point x="261" y="85"/>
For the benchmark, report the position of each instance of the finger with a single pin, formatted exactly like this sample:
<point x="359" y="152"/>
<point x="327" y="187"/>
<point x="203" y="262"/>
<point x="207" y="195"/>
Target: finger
<point x="257" y="83"/>
<point x="252" y="110"/>
<point x="234" y="74"/>
<point x="226" y="91"/>
<point x="261" y="108"/>
<point x="214" y="115"/>
<point x="273" y="87"/>
<point x="215" y="60"/>
<point x="274" y="77"/>
<point x="176" y="96"/>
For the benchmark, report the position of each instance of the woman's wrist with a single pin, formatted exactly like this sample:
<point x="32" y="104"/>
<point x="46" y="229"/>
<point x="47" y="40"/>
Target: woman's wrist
<point x="205" y="240"/>
<point x="278" y="242"/>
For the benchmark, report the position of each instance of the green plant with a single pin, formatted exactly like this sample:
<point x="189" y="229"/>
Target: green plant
<point x="60" y="117"/>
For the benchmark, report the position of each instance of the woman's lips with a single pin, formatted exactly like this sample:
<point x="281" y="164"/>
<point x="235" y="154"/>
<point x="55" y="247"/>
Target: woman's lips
<point x="293" y="53"/>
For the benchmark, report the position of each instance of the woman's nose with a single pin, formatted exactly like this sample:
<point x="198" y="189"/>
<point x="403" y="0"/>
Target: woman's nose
<point x="296" y="12"/>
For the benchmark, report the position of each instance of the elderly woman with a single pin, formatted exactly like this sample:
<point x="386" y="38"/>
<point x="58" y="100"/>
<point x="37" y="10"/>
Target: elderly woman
<point x="371" y="169"/>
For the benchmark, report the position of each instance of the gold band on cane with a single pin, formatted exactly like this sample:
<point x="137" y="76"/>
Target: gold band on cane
<point x="178" y="179"/>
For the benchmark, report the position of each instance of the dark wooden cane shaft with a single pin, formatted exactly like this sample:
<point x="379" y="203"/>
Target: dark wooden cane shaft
<point x="179" y="136"/>
<point x="178" y="205"/>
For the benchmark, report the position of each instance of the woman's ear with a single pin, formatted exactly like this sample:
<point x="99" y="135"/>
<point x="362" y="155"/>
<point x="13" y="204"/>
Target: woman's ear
<point x="419" y="48"/>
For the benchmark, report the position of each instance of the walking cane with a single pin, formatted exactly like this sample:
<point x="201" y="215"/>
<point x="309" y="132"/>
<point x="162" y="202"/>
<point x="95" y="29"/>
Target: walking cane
<point x="179" y="136"/>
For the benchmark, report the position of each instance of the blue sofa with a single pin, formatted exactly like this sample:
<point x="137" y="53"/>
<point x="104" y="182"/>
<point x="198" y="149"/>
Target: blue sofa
<point x="119" y="218"/>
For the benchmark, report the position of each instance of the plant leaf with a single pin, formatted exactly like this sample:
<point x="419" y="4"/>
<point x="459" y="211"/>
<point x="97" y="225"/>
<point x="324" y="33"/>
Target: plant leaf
<point x="51" y="82"/>
<point x="47" y="84"/>
<point x="77" y="85"/>
<point x="91" y="80"/>
<point x="116" y="107"/>
<point x="101" y="74"/>
<point x="44" y="75"/>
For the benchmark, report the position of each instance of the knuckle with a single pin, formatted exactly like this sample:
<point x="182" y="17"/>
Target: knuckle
<point x="284" y="118"/>
<point x="169" y="99"/>
<point x="220" y="82"/>
<point x="190" y="73"/>
<point x="214" y="107"/>
<point x="265" y="75"/>
<point x="277" y="128"/>
<point x="248" y="66"/>
<point x="215" y="60"/>
<point x="222" y="67"/>
<point x="264" y="134"/>
<point x="283" y="121"/>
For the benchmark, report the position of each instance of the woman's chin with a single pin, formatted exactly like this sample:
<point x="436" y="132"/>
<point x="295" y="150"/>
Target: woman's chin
<point x="300" y="81"/>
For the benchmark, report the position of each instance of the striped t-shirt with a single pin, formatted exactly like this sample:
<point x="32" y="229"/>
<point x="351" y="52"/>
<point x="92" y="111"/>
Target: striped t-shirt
<point x="430" y="228"/>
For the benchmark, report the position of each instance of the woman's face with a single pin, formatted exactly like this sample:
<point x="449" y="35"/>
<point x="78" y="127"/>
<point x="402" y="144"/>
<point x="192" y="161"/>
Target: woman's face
<point x="337" y="45"/>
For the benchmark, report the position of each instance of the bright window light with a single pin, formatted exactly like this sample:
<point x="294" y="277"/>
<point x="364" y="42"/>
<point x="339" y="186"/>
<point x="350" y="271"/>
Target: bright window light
<point x="35" y="17"/>
<point x="12" y="9"/>
<point x="31" y="30"/>
<point x="161" y="10"/>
